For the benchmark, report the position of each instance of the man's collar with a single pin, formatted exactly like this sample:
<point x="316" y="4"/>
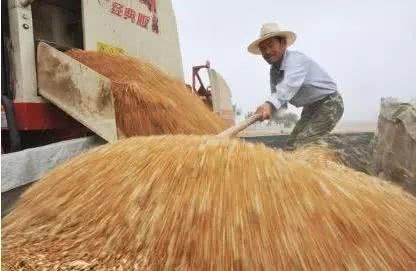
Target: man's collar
<point x="282" y="64"/>
<point x="284" y="60"/>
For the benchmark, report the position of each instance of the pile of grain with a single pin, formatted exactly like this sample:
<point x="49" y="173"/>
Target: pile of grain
<point x="149" y="102"/>
<point x="203" y="203"/>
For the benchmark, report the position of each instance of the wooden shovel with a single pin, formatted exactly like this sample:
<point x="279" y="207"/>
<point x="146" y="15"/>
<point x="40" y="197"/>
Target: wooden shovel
<point x="234" y="130"/>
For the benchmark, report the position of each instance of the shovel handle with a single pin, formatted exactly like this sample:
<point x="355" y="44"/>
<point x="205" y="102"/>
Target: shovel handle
<point x="234" y="130"/>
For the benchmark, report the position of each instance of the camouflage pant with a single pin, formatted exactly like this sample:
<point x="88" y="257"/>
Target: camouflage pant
<point x="317" y="120"/>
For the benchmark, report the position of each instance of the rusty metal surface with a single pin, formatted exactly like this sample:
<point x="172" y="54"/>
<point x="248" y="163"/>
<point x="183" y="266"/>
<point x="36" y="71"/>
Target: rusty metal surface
<point x="76" y="89"/>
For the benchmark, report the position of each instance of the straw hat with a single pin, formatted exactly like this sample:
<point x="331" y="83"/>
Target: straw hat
<point x="269" y="30"/>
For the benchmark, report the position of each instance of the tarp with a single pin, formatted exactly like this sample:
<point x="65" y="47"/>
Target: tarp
<point x="23" y="167"/>
<point x="395" y="149"/>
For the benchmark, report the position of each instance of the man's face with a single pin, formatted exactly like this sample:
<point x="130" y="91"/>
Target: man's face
<point x="272" y="49"/>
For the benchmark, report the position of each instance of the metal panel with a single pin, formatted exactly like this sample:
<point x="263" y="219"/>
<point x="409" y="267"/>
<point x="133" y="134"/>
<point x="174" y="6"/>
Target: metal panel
<point x="221" y="93"/>
<point x="131" y="26"/>
<point x="42" y="116"/>
<point x="23" y="52"/>
<point x="76" y="89"/>
<point x="221" y="96"/>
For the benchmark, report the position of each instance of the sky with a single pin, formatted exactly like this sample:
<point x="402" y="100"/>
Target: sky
<point x="368" y="47"/>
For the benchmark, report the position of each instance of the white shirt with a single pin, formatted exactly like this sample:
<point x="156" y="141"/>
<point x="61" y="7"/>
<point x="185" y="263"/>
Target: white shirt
<point x="298" y="80"/>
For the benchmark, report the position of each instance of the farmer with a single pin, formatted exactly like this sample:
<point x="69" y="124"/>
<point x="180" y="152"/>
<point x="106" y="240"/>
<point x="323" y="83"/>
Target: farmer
<point x="297" y="79"/>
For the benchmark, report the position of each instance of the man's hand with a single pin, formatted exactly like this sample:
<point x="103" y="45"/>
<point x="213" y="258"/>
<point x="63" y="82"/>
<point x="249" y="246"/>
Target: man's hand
<point x="265" y="110"/>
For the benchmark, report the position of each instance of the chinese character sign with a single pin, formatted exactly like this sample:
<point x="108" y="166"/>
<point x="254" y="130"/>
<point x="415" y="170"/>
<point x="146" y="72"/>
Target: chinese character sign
<point x="151" y="5"/>
<point x="134" y="16"/>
